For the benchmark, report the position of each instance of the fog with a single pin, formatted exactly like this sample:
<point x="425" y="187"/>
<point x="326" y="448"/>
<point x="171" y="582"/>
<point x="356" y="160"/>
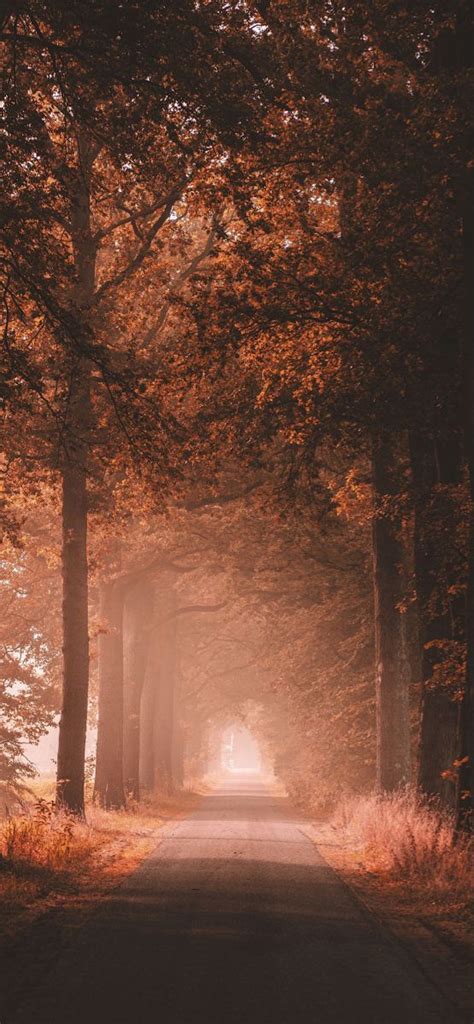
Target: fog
<point x="240" y="751"/>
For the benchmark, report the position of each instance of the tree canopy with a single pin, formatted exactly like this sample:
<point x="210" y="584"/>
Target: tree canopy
<point x="237" y="390"/>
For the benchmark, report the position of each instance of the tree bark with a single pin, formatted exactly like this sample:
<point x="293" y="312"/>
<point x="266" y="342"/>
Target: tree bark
<point x="441" y="618"/>
<point x="392" y="670"/>
<point x="178" y="754"/>
<point x="194" y="749"/>
<point x="137" y="612"/>
<point x="465" y="780"/>
<point x="109" y="787"/>
<point x="73" y="722"/>
<point x="165" y="700"/>
<point x="147" y="715"/>
<point x="465" y="785"/>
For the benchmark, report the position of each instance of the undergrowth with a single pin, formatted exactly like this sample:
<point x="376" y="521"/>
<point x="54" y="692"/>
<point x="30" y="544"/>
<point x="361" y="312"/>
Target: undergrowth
<point x="46" y="850"/>
<point x="44" y="841"/>
<point x="408" y="837"/>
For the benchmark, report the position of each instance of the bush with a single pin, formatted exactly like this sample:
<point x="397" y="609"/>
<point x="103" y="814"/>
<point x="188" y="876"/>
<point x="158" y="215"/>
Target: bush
<point x="408" y="836"/>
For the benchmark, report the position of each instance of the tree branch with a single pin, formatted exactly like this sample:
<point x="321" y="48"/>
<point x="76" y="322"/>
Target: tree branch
<point x="188" y="609"/>
<point x="180" y="280"/>
<point x="143" y="251"/>
<point x="132" y="218"/>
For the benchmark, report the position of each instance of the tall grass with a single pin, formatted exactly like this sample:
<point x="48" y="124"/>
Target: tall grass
<point x="46" y="841"/>
<point x="40" y="839"/>
<point x="409" y="837"/>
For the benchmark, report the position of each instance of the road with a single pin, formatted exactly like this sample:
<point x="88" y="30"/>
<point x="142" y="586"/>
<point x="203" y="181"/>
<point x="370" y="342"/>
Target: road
<point x="235" y="919"/>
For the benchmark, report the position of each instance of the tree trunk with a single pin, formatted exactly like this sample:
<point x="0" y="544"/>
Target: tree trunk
<point x="194" y="743"/>
<point x="441" y="618"/>
<point x="165" y="701"/>
<point x="109" y="788"/>
<point x="147" y="714"/>
<point x="392" y="695"/>
<point x="465" y="786"/>
<point x="73" y="723"/>
<point x="465" y="781"/>
<point x="214" y="756"/>
<point x="178" y="728"/>
<point x="137" y="612"/>
<point x="178" y="754"/>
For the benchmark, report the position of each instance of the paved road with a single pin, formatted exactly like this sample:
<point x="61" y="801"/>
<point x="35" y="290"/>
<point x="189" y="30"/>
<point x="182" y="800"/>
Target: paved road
<point x="235" y="919"/>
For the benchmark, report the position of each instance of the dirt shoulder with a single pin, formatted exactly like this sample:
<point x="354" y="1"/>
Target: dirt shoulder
<point x="435" y="930"/>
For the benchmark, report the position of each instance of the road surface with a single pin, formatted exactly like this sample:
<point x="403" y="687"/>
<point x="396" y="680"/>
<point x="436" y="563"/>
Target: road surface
<point x="235" y="919"/>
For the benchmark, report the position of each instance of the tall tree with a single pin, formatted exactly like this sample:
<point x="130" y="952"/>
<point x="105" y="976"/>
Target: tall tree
<point x="116" y="126"/>
<point x="138" y="610"/>
<point x="165" y="698"/>
<point x="109" y="779"/>
<point x="391" y="654"/>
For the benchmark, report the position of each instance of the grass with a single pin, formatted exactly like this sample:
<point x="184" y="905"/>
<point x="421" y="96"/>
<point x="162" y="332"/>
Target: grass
<point x="399" y="854"/>
<point x="55" y="869"/>
<point x="46" y="842"/>
<point x="409" y="838"/>
<point x="49" y="855"/>
<point x="399" y="851"/>
<point x="46" y="858"/>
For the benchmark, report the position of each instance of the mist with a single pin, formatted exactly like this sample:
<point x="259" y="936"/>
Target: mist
<point x="237" y="512"/>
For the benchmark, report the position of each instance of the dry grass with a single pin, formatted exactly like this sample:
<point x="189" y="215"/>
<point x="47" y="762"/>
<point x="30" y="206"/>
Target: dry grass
<point x="49" y="855"/>
<point x="55" y="869"/>
<point x="45" y="856"/>
<point x="400" y="855"/>
<point x="409" y="838"/>
<point x="46" y="842"/>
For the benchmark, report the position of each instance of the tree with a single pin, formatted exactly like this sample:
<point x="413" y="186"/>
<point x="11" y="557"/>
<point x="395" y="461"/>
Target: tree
<point x="391" y="656"/>
<point x="109" y="779"/>
<point x="138" y="610"/>
<point x="29" y="647"/>
<point x="86" y="124"/>
<point x="342" y="304"/>
<point x="232" y="290"/>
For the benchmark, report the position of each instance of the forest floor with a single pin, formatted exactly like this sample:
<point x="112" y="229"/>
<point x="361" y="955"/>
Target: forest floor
<point x="435" y="928"/>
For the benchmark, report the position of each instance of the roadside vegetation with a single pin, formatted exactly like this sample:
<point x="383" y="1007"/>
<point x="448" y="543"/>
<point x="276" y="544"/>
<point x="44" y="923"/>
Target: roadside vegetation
<point x="237" y="469"/>
<point x="407" y="837"/>
<point x="48" y="854"/>
<point x="402" y="855"/>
